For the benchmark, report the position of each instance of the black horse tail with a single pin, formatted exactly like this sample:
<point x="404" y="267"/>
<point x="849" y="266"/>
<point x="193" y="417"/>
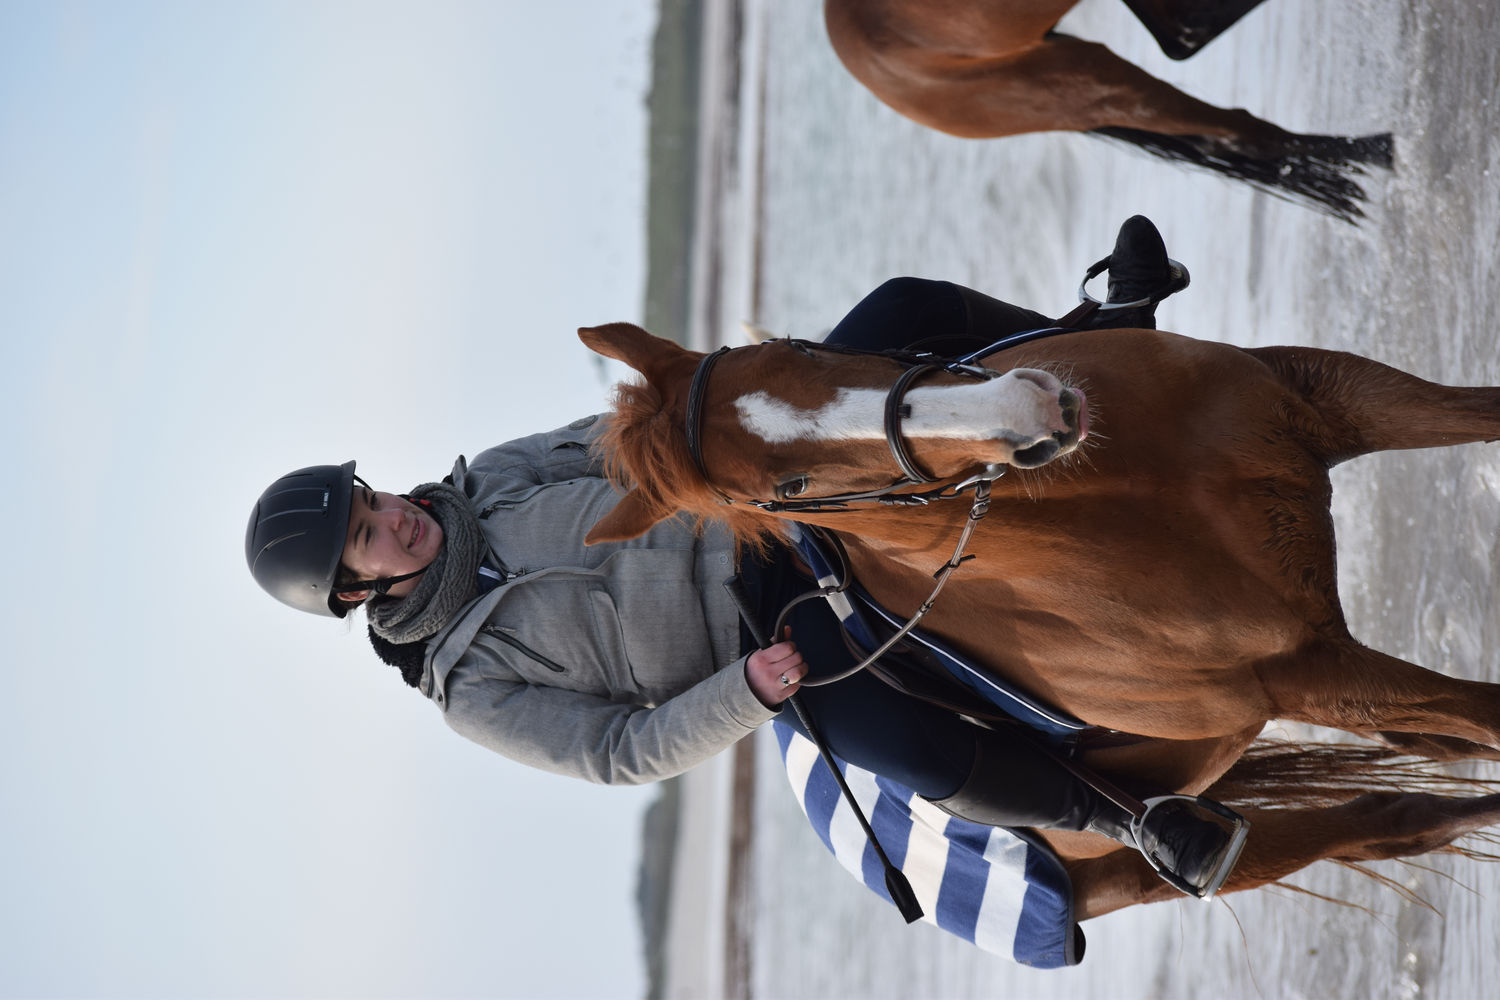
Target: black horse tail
<point x="1314" y="170"/>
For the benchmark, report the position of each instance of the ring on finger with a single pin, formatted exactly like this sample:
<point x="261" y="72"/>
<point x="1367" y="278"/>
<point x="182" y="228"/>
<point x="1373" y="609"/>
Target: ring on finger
<point x="786" y="681"/>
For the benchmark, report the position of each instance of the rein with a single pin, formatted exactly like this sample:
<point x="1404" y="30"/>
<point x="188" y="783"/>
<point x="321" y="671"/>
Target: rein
<point x="912" y="475"/>
<point x="980" y="507"/>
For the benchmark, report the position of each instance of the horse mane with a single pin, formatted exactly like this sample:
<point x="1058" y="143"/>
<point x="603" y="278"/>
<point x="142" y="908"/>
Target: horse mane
<point x="645" y="448"/>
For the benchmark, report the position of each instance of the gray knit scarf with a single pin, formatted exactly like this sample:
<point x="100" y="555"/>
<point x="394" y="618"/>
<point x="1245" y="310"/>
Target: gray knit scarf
<point x="448" y="583"/>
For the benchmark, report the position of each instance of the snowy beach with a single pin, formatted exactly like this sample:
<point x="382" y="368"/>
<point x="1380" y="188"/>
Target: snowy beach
<point x="830" y="193"/>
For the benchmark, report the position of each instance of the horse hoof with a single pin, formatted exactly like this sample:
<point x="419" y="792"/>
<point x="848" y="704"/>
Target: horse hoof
<point x="1376" y="150"/>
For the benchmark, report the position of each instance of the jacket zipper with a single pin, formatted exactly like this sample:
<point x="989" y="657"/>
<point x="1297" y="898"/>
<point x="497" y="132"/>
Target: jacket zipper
<point x="497" y="505"/>
<point x="511" y="640"/>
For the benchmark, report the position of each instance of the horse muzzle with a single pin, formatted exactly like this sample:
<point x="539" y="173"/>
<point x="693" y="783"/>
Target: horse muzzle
<point x="1073" y="405"/>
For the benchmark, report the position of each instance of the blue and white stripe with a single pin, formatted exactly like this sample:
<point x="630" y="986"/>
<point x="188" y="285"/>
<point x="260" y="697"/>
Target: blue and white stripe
<point x="988" y="885"/>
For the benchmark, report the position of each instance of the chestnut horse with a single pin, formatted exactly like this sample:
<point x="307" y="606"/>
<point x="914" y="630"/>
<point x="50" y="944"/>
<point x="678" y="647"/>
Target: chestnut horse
<point x="988" y="68"/>
<point x="1167" y="570"/>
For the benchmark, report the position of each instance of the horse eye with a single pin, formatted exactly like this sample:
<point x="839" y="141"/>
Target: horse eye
<point x="794" y="487"/>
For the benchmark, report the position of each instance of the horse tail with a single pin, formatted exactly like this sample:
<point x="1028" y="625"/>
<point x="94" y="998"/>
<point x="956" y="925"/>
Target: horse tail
<point x="1314" y="170"/>
<point x="1287" y="774"/>
<point x="1276" y="773"/>
<point x="1281" y="774"/>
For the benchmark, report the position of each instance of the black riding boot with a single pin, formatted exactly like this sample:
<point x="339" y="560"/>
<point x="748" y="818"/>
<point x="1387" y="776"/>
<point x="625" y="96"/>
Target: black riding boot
<point x="1140" y="276"/>
<point x="1014" y="783"/>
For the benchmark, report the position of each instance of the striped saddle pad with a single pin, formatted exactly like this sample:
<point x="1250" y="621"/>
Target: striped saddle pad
<point x="992" y="886"/>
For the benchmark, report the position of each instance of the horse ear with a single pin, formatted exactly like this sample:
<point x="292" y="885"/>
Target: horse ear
<point x="630" y="518"/>
<point x="629" y="343"/>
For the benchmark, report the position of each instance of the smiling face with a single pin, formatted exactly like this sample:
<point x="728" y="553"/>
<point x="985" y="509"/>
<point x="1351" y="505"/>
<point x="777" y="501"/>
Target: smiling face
<point x="388" y="537"/>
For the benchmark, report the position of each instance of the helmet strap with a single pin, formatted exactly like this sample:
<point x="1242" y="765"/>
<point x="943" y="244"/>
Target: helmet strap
<point x="382" y="586"/>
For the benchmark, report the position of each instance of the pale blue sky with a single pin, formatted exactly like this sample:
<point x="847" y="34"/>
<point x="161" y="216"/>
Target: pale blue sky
<point x="237" y="238"/>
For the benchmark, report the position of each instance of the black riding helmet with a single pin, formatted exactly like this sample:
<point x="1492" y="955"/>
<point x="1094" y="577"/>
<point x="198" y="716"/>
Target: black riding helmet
<point x="296" y="537"/>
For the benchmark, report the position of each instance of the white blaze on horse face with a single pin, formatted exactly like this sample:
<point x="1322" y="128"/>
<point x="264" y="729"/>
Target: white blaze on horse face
<point x="1019" y="408"/>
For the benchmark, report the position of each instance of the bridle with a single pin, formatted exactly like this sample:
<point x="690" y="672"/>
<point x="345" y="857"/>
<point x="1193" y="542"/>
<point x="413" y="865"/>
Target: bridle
<point x="918" y="365"/>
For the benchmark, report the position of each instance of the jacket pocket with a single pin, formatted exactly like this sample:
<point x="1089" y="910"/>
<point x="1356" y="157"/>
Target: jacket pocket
<point x="614" y="650"/>
<point x="549" y="630"/>
<point x="505" y="636"/>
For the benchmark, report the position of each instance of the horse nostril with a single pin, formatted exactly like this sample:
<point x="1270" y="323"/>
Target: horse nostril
<point x="1038" y="454"/>
<point x="1068" y="401"/>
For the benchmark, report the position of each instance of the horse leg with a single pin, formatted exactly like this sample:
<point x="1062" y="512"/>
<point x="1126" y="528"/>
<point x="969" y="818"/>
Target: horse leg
<point x="1361" y="406"/>
<point x="1340" y="684"/>
<point x="1365" y="406"/>
<point x="1062" y="83"/>
<point x="1182" y="27"/>
<point x="1372" y="827"/>
<point x="985" y="70"/>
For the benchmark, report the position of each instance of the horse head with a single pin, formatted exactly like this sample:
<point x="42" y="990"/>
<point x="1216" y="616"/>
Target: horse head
<point x="786" y="419"/>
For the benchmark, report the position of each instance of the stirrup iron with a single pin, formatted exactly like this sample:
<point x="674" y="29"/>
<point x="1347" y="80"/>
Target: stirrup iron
<point x="1239" y="829"/>
<point x="1180" y="279"/>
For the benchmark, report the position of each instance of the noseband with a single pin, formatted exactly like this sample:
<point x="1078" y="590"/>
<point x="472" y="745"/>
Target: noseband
<point x="917" y="366"/>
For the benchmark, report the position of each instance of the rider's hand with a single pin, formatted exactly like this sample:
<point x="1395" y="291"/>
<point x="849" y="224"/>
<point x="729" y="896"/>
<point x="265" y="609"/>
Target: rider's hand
<point x="775" y="672"/>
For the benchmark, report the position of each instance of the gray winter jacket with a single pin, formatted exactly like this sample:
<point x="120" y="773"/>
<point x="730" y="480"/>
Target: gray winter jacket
<point x="618" y="662"/>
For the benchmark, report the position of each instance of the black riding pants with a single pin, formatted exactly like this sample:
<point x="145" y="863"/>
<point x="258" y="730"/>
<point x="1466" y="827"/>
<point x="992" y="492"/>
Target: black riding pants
<point x="938" y="316"/>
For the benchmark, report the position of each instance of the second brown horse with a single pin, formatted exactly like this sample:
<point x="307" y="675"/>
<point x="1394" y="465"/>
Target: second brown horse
<point x="991" y="68"/>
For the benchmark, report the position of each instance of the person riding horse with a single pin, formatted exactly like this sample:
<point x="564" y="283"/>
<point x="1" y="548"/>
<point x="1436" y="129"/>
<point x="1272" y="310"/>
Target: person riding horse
<point x="604" y="662"/>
